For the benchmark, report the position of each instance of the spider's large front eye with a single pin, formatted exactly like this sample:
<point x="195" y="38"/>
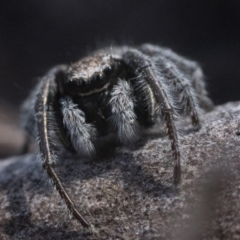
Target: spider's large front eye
<point x="98" y="80"/>
<point x="108" y="71"/>
<point x="82" y="85"/>
<point x="77" y="85"/>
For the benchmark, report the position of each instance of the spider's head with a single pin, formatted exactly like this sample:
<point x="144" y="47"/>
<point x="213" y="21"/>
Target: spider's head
<point x="90" y="75"/>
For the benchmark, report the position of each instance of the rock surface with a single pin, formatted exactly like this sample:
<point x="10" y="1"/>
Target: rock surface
<point x="128" y="193"/>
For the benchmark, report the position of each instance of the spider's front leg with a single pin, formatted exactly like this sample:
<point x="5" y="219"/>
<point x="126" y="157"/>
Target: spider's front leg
<point x="136" y="60"/>
<point x="46" y="92"/>
<point x="123" y="118"/>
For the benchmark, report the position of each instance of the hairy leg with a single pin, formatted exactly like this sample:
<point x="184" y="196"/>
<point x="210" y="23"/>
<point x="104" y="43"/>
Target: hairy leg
<point x="182" y="89"/>
<point x="42" y="109"/>
<point x="28" y="121"/>
<point x="190" y="68"/>
<point x="123" y="118"/>
<point x="147" y="109"/>
<point x="146" y="68"/>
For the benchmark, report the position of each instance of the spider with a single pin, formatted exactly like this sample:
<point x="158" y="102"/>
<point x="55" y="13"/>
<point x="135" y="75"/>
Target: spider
<point x="118" y="90"/>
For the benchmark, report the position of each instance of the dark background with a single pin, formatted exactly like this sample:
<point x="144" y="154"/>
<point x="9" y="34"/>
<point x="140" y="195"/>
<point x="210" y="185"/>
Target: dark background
<point x="36" y="35"/>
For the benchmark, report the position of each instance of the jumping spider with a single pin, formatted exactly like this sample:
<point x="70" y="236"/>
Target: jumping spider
<point x="113" y="90"/>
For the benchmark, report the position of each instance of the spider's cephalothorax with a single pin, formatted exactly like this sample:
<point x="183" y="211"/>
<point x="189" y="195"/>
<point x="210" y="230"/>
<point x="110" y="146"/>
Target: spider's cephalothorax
<point x="119" y="90"/>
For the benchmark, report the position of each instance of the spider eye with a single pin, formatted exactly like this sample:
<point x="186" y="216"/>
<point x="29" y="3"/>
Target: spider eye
<point x="98" y="80"/>
<point x="81" y="84"/>
<point x="77" y="85"/>
<point x="80" y="81"/>
<point x="108" y="70"/>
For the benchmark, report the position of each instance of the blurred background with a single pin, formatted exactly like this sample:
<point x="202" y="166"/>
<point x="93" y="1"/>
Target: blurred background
<point x="36" y="35"/>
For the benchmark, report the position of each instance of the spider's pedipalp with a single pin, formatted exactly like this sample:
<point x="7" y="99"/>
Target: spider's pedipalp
<point x="134" y="59"/>
<point x="123" y="117"/>
<point x="82" y="134"/>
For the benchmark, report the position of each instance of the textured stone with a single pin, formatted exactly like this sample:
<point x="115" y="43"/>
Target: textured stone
<point x="128" y="192"/>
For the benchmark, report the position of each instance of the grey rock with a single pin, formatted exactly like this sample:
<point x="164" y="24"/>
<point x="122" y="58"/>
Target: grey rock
<point x="127" y="193"/>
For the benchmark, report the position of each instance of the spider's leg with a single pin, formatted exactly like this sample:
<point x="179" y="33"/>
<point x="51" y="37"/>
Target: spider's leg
<point x="145" y="67"/>
<point x="47" y="154"/>
<point x="123" y="118"/>
<point x="82" y="134"/>
<point x="182" y="86"/>
<point x="198" y="84"/>
<point x="190" y="68"/>
<point x="146" y="107"/>
<point x="28" y="121"/>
